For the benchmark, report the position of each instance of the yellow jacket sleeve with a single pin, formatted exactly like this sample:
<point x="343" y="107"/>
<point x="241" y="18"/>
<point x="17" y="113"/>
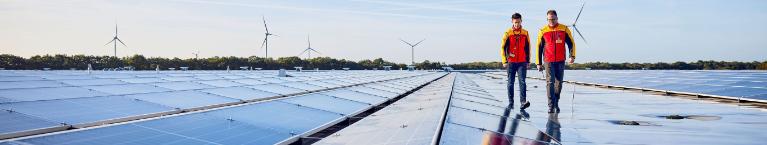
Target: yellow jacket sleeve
<point x="504" y="42"/>
<point x="571" y="40"/>
<point x="539" y="48"/>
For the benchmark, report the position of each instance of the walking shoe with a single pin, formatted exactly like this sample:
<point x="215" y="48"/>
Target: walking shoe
<point x="525" y="105"/>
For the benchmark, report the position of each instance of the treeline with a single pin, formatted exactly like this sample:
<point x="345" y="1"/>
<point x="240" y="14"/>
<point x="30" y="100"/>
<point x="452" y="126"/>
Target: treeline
<point x="139" y="62"/>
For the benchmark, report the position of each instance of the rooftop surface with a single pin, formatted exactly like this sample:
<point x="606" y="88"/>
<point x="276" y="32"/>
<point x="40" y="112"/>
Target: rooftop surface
<point x="357" y="107"/>
<point x="590" y="115"/>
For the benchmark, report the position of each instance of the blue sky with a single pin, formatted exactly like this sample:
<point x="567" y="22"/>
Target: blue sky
<point x="455" y="30"/>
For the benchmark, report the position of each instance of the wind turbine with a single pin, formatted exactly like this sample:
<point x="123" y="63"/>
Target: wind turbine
<point x="576" y="21"/>
<point x="412" y="49"/>
<point x="266" y="38"/>
<point x="115" y="42"/>
<point x="584" y="41"/>
<point x="196" y="54"/>
<point x="309" y="49"/>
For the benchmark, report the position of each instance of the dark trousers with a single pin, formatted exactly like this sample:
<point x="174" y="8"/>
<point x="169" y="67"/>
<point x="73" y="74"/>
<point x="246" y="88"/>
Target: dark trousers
<point x="555" y="72"/>
<point x="513" y="70"/>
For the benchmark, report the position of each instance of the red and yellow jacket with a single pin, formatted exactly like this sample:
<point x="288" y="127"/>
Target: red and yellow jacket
<point x="551" y="44"/>
<point x="516" y="46"/>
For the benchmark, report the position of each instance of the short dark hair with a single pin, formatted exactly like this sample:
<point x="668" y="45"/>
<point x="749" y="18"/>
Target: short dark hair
<point x="551" y="12"/>
<point x="516" y="16"/>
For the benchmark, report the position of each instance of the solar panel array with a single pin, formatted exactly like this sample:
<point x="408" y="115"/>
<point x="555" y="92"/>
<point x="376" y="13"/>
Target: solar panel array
<point x="413" y="119"/>
<point x="188" y="107"/>
<point x="475" y="116"/>
<point x="451" y="111"/>
<point x="737" y="84"/>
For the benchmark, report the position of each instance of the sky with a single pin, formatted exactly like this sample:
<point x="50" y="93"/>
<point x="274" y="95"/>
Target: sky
<point x="455" y="31"/>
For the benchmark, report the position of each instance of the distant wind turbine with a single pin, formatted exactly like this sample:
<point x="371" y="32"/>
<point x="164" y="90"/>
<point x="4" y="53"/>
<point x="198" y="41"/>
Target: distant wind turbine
<point x="584" y="41"/>
<point x="576" y="21"/>
<point x="309" y="49"/>
<point x="115" y="40"/>
<point x="196" y="54"/>
<point x="412" y="49"/>
<point x="266" y="38"/>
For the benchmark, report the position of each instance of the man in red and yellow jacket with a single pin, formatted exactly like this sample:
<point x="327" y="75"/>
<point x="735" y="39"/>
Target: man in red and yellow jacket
<point x="516" y="59"/>
<point x="551" y="54"/>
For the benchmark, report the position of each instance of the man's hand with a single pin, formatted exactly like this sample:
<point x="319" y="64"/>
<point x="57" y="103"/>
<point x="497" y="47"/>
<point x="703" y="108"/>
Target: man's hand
<point x="572" y="60"/>
<point x="505" y="65"/>
<point x="540" y="68"/>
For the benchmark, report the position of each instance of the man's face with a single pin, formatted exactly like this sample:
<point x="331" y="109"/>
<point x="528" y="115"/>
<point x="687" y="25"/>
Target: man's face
<point x="552" y="20"/>
<point x="517" y="23"/>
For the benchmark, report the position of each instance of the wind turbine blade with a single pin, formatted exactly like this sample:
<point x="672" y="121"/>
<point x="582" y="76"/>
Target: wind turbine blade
<point x="302" y="52"/>
<point x="579" y="34"/>
<point x="312" y="49"/>
<point x="121" y="42"/>
<point x="406" y="42"/>
<point x="275" y="35"/>
<point x="267" y="28"/>
<point x="419" y="42"/>
<point x="113" y="40"/>
<point x="263" y="43"/>
<point x="579" y="13"/>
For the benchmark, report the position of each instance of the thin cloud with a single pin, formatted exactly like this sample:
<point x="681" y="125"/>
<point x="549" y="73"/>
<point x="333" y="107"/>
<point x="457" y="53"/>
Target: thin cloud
<point x="325" y="10"/>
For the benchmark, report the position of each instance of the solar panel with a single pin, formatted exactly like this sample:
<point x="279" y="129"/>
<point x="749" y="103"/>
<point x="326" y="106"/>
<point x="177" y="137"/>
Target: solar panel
<point x="143" y="80"/>
<point x="356" y="96"/>
<point x="250" y="81"/>
<point x="393" y="84"/>
<point x="272" y="80"/>
<point x="207" y="77"/>
<point x="34" y="94"/>
<point x="127" y="89"/>
<point x="372" y="91"/>
<point x="453" y="134"/>
<point x="276" y="88"/>
<point x="21" y="78"/>
<point x="11" y="122"/>
<point x="386" y="88"/>
<point x="241" y="93"/>
<point x="335" y="81"/>
<point x="719" y="83"/>
<point x="188" y="129"/>
<point x="328" y="103"/>
<point x="183" y="85"/>
<point x="92" y="82"/>
<point x="29" y="84"/>
<point x="322" y="84"/>
<point x="183" y="99"/>
<point x="279" y="116"/>
<point x="221" y="83"/>
<point x="179" y="78"/>
<point x="86" y="110"/>
<point x="303" y="86"/>
<point x="68" y="77"/>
